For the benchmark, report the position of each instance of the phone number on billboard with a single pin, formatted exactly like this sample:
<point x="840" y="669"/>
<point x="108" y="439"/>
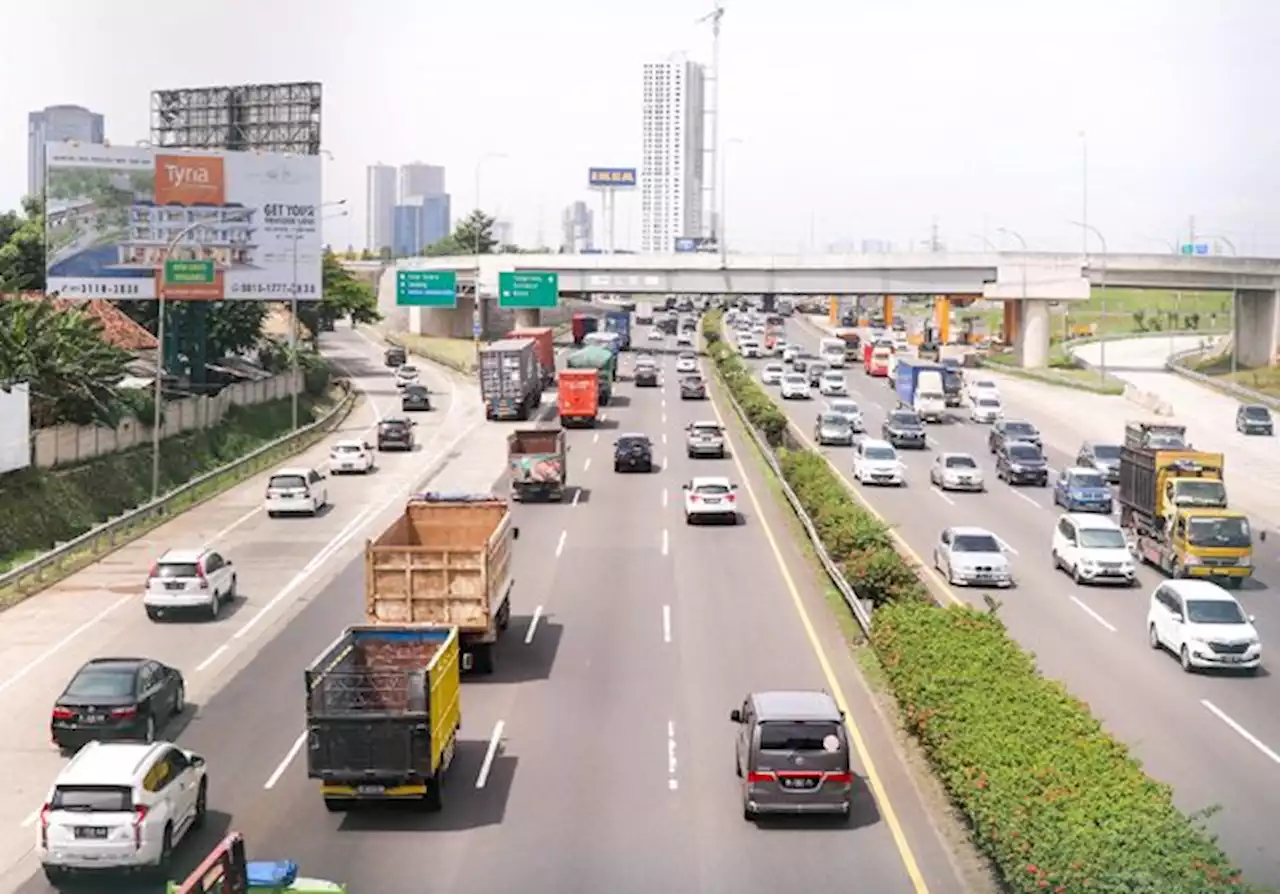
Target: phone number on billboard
<point x="284" y="289"/>
<point x="117" y="290"/>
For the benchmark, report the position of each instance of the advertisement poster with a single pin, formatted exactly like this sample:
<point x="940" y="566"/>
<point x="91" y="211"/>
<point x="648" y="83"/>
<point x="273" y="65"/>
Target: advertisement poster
<point x="15" y="428"/>
<point x="116" y="214"/>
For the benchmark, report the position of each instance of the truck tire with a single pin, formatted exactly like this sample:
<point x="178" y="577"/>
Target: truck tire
<point x="433" y="800"/>
<point x="482" y="659"/>
<point x="337" y="805"/>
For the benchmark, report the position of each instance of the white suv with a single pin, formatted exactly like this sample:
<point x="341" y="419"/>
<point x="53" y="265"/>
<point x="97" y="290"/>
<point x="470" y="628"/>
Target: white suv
<point x="298" y="490"/>
<point x="189" y="580"/>
<point x="710" y="499"/>
<point x="351" y="455"/>
<point x="1093" y="550"/>
<point x="1203" y="625"/>
<point x="118" y="805"/>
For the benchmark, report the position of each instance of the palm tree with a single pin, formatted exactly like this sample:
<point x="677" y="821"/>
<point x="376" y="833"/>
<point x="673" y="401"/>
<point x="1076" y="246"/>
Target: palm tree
<point x="72" y="372"/>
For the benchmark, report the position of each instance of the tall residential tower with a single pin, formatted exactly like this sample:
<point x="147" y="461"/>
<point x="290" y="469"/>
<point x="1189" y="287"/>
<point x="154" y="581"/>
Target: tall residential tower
<point x="58" y="124"/>
<point x="380" y="204"/>
<point x="671" y="192"/>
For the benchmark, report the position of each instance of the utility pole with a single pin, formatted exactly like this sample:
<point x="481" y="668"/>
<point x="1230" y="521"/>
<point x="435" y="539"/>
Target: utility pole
<point x="712" y="118"/>
<point x="935" y="239"/>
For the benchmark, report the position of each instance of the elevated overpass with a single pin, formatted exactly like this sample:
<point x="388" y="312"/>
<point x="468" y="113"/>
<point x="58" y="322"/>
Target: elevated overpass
<point x="1026" y="281"/>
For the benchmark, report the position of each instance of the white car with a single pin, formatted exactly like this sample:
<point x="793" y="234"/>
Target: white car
<point x="876" y="462"/>
<point x="790" y="352"/>
<point x="971" y="556"/>
<point x="956" y="471"/>
<point x="849" y="409"/>
<point x="832" y="384"/>
<point x="980" y="388"/>
<point x="710" y="499"/>
<point x="655" y="334"/>
<point x="749" y="347"/>
<point x="191" y="580"/>
<point x="406" y="375"/>
<point x="772" y="373"/>
<point x="296" y="491"/>
<point x="687" y="363"/>
<point x="986" y="409"/>
<point x="350" y="455"/>
<point x="120" y="805"/>
<point x="795" y="386"/>
<point x="1203" y="625"/>
<point x="684" y="337"/>
<point x="1092" y="549"/>
<point x="780" y="347"/>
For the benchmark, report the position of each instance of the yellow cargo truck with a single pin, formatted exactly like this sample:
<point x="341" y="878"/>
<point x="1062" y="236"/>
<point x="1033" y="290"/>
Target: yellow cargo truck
<point x="446" y="562"/>
<point x="1173" y="504"/>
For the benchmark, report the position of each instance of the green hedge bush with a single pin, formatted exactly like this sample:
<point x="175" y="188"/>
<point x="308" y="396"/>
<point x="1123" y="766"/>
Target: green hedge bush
<point x="1054" y="800"/>
<point x="760" y="409"/>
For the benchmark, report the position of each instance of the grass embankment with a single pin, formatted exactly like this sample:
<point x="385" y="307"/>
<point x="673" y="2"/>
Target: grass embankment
<point x="455" y="353"/>
<point x="1063" y="369"/>
<point x="1133" y="311"/>
<point x="1263" y="379"/>
<point x="45" y="507"/>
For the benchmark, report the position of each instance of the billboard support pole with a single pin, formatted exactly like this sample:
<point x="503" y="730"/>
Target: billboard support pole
<point x="612" y="197"/>
<point x="293" y="332"/>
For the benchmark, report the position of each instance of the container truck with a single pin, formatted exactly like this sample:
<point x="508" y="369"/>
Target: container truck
<point x="619" y="322"/>
<point x="536" y="464"/>
<point x="226" y="870"/>
<point x="446" y="561"/>
<point x="544" y="341"/>
<point x="383" y="712"/>
<point x="919" y="384"/>
<point x="852" y="344"/>
<point x="1173" y="505"/>
<point x="952" y="381"/>
<point x="582" y="325"/>
<point x="578" y="397"/>
<point x="510" y="378"/>
<point x="600" y="359"/>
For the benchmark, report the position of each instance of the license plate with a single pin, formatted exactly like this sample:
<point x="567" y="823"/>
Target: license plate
<point x="93" y="718"/>
<point x="371" y="789"/>
<point x="711" y="502"/>
<point x="1231" y="659"/>
<point x="98" y="832"/>
<point x="802" y="782"/>
<point x="174" y="585"/>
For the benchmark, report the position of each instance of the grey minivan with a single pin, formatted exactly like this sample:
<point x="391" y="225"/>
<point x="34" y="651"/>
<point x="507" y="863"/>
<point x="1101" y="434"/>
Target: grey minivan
<point x="793" y="754"/>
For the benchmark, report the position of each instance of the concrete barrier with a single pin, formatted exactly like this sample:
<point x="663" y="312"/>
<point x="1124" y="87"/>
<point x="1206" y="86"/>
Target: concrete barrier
<point x="1153" y="403"/>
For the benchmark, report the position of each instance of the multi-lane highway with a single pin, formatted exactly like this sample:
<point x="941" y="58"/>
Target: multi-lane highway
<point x="1214" y="737"/>
<point x="598" y="757"/>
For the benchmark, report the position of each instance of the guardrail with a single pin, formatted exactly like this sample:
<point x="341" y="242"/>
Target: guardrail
<point x="1176" y="364"/>
<point x="69" y="557"/>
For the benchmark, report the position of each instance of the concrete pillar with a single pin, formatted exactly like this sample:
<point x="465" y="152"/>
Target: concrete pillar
<point x="833" y="310"/>
<point x="888" y="311"/>
<point x="1011" y="320"/>
<point x="1033" y="340"/>
<point x="942" y="319"/>
<point x="1257" y="328"/>
<point x="527" y="318"/>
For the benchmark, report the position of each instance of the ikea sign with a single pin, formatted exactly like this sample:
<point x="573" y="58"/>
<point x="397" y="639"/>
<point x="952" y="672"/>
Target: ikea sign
<point x="611" y="178"/>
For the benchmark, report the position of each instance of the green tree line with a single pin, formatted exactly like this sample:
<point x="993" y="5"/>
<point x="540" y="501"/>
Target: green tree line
<point x="472" y="235"/>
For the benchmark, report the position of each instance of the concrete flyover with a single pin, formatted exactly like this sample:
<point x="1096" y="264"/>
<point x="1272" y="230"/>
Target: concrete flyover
<point x="1027" y="281"/>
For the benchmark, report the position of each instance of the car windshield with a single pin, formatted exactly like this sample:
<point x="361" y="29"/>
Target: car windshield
<point x="834" y="420"/>
<point x="798" y="735"/>
<point x="844" y="406"/>
<point x="984" y="383"/>
<point x="287" y="482"/>
<point x="907" y="420"/>
<point x="1214" y="611"/>
<point x="101" y="682"/>
<point x="988" y="402"/>
<point x="1261" y="414"/>
<point x="881" y="453"/>
<point x="408" y="370"/>
<point x="1086" y="479"/>
<point x="394" y="425"/>
<point x="960" y="462"/>
<point x="687" y="356"/>
<point x="1020" y="430"/>
<point x="833" y="376"/>
<point x="346" y="448"/>
<point x="1107" y="452"/>
<point x="794" y="379"/>
<point x="773" y="367"/>
<point x="632" y="441"/>
<point x="173" y="570"/>
<point x="93" y="798"/>
<point x="706" y="428"/>
<point x="1024" y="453"/>
<point x="975" y="543"/>
<point x="1219" y="532"/>
<point x="1102" y="538"/>
<point x="712" y="489"/>
<point x="415" y="391"/>
<point x="693" y="381"/>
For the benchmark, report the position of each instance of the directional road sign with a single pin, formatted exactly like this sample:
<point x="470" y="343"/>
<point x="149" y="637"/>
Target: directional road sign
<point x="188" y="273"/>
<point x="426" y="288"/>
<point x="524" y="289"/>
<point x="1195" y="248"/>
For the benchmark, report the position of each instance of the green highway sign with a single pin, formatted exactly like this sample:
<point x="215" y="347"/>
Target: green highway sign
<point x="426" y="288"/>
<point x="188" y="273"/>
<point x="525" y="289"/>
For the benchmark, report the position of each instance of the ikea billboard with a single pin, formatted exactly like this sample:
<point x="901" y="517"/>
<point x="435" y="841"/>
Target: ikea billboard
<point x="611" y="178"/>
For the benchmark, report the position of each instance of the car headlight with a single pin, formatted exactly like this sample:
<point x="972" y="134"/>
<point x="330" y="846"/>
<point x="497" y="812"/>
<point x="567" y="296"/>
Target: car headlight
<point x="1017" y="468"/>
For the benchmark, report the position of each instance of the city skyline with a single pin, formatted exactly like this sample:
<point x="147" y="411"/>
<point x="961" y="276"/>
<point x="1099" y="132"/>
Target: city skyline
<point x="56" y="124"/>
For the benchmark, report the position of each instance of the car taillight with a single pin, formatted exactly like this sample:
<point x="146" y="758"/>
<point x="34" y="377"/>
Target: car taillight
<point x="63" y="713"/>
<point x="155" y="570"/>
<point x="730" y="497"/>
<point x="693" y="498"/>
<point x="758" y="777"/>
<point x="44" y="825"/>
<point x="202" y="577"/>
<point x="122" y="713"/>
<point x="139" y="815"/>
<point x="846" y="778"/>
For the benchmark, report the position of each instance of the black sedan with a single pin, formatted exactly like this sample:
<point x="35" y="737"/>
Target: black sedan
<point x="646" y="376"/>
<point x="117" y="698"/>
<point x="1007" y="430"/>
<point x="633" y="453"/>
<point x="1104" y="458"/>
<point x="693" y="388"/>
<point x="903" y="428"/>
<point x="415" y="397"/>
<point x="395" y="434"/>
<point x="1021" y="462"/>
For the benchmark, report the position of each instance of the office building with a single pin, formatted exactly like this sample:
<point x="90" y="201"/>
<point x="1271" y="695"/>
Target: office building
<point x="418" y="223"/>
<point x="504" y="233"/>
<point x="577" y="229"/>
<point x="671" y="168"/>
<point x="418" y="180"/>
<point x="380" y="204"/>
<point x="58" y="124"/>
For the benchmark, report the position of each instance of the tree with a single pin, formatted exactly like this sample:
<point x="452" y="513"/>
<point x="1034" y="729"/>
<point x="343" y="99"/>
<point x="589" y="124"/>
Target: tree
<point x="230" y="327"/>
<point x="366" y="255"/>
<point x="71" y="370"/>
<point x="344" y="295"/>
<point x="472" y="235"/>
<point x="22" y="248"/>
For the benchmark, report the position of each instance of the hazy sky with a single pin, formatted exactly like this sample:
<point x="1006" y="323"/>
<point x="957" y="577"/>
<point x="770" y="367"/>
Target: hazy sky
<point x="857" y="119"/>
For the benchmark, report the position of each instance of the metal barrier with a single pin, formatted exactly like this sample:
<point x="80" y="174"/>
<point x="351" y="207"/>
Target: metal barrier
<point x="86" y="549"/>
<point x="1176" y="364"/>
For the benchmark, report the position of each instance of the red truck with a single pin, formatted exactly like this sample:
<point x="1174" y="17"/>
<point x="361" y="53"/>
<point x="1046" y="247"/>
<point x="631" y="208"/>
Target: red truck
<point x="582" y="325"/>
<point x="544" y="346"/>
<point x="579" y="397"/>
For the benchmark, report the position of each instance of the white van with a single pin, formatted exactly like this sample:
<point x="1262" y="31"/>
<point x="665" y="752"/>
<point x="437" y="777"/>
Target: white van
<point x="832" y="352"/>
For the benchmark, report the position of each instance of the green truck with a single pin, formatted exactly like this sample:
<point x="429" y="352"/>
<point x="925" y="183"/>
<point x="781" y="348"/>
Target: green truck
<point x="603" y="361"/>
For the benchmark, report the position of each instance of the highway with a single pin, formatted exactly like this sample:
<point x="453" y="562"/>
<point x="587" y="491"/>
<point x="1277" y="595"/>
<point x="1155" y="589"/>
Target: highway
<point x="1214" y="737"/>
<point x="598" y="757"/>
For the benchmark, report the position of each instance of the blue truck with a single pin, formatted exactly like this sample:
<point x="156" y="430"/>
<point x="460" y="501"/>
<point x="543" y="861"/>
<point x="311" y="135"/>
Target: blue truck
<point x="619" y="321"/>
<point x="919" y="384"/>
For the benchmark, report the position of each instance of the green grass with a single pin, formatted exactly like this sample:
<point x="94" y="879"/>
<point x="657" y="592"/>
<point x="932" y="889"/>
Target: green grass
<point x="1130" y="311"/>
<point x="1263" y="379"/>
<point x="1062" y="370"/>
<point x="455" y="353"/>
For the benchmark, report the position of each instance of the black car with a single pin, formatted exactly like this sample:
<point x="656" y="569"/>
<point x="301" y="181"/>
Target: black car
<point x="415" y="397"/>
<point x="815" y="369"/>
<point x="800" y="363"/>
<point x="693" y="388"/>
<point x="117" y="698"/>
<point x="903" y="428"/>
<point x="1006" y="430"/>
<point x="1021" y="462"/>
<point x="646" y="376"/>
<point x="1105" y="458"/>
<point x="633" y="453"/>
<point x="1254" y="419"/>
<point x="395" y="434"/>
<point x="395" y="357"/>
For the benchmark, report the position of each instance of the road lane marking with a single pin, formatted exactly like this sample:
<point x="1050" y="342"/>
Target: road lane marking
<point x="288" y="759"/>
<point x="1021" y="496"/>
<point x="560" y="545"/>
<point x="1240" y="730"/>
<point x="666" y="623"/>
<point x="587" y="464"/>
<point x="673" y="784"/>
<point x="577" y="495"/>
<point x="214" y="656"/>
<point x="664" y="422"/>
<point x="217" y="538"/>
<point x="1093" y="614"/>
<point x="61" y="644"/>
<point x="664" y="401"/>
<point x="595" y="439"/>
<point x="664" y="498"/>
<point x="533" y="625"/>
<point x="664" y="434"/>
<point x="666" y="542"/>
<point x="494" y="741"/>
<point x="31" y="819"/>
<point x="940" y="494"/>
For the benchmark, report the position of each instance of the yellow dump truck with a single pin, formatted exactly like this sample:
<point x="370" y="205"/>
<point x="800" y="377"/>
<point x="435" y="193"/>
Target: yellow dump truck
<point x="1173" y="504"/>
<point x="446" y="561"/>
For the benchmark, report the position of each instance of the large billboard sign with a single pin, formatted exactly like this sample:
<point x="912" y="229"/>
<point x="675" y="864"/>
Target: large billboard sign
<point x="116" y="214"/>
<point x="611" y="178"/>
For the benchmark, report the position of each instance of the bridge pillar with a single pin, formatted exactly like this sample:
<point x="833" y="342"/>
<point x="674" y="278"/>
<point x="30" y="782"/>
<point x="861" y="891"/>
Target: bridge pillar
<point x="1256" y="339"/>
<point x="888" y="311"/>
<point x="1032" y="345"/>
<point x="942" y="319"/>
<point x="1011" y="327"/>
<point x="833" y="310"/>
<point x="527" y="318"/>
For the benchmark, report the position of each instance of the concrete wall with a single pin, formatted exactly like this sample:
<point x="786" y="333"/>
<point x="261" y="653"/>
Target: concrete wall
<point x="1257" y="328"/>
<point x="65" y="445"/>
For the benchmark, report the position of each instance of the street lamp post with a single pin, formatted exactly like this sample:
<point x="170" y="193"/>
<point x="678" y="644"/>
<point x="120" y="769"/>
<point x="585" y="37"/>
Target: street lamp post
<point x="1102" y="291"/>
<point x="1016" y="235"/>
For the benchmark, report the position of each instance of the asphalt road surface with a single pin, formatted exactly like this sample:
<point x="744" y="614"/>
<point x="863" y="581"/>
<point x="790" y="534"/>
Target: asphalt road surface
<point x="1214" y="736"/>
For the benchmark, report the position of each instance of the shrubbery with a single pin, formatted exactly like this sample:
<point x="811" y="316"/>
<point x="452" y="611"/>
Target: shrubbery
<point x="1055" y="802"/>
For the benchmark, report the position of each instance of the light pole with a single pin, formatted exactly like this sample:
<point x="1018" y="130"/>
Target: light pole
<point x="1005" y="231"/>
<point x="1102" y="291"/>
<point x="723" y="232"/>
<point x="1234" y="298"/>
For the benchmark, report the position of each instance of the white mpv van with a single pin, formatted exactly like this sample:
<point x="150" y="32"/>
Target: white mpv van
<point x="1093" y="550"/>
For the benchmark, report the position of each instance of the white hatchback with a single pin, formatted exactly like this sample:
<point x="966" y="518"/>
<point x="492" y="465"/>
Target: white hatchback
<point x="876" y="462"/>
<point x="296" y="491"/>
<point x="1092" y="549"/>
<point x="795" y="386"/>
<point x="1203" y="625"/>
<point x="350" y="455"/>
<point x="687" y="363"/>
<point x="189" y="580"/>
<point x="406" y="375"/>
<point x="832" y="384"/>
<point x="710" y="499"/>
<point x="986" y="409"/>
<point x="772" y="373"/>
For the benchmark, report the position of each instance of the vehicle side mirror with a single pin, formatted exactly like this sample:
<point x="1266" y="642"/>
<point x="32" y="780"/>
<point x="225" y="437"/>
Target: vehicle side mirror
<point x="1262" y="535"/>
<point x="515" y="533"/>
<point x="684" y="487"/>
<point x="197" y="760"/>
<point x="1177" y="619"/>
<point x="733" y="487"/>
<point x="735" y="716"/>
<point x="228" y="562"/>
<point x="1251" y="619"/>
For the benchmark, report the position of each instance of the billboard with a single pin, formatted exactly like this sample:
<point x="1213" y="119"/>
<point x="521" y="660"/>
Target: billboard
<point x="689" y="243"/>
<point x="115" y="214"/>
<point x="612" y="178"/>
<point x="15" y="427"/>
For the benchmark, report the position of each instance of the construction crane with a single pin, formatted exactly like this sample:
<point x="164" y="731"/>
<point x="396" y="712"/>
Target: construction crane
<point x="711" y="150"/>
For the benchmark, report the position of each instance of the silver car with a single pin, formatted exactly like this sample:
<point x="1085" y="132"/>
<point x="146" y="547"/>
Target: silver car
<point x="849" y="409"/>
<point x="974" y="556"/>
<point x="793" y="754"/>
<point x="956" y="471"/>
<point x="833" y="429"/>
<point x="705" y="439"/>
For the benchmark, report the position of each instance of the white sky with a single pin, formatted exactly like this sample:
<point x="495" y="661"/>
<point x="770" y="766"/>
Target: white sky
<point x="858" y="119"/>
